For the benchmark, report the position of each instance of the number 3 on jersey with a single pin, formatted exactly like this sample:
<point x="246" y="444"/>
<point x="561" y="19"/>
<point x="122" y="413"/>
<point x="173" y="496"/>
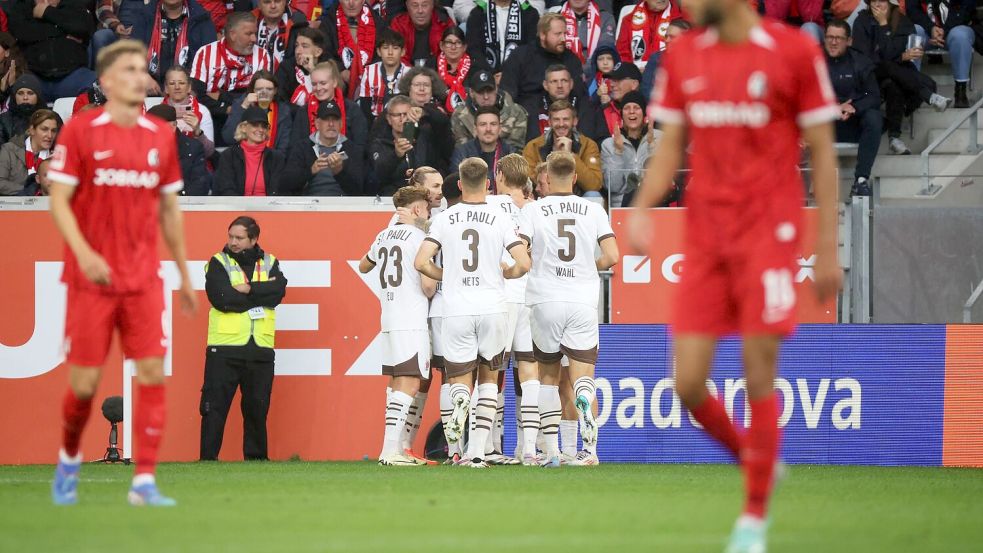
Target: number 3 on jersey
<point x="471" y="235"/>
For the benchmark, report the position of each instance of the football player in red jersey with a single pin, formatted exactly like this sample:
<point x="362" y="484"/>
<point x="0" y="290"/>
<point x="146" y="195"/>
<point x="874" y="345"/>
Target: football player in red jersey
<point x="745" y="93"/>
<point x="115" y="178"/>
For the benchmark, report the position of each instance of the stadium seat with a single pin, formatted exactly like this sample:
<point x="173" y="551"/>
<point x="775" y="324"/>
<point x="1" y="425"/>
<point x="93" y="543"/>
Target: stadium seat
<point x="63" y="107"/>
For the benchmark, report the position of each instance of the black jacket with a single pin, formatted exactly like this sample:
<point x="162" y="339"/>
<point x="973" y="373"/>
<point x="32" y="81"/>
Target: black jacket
<point x="960" y="13"/>
<point x="590" y="118"/>
<point x="852" y="76"/>
<point x="880" y="43"/>
<point x="143" y="17"/>
<point x="485" y="54"/>
<point x="227" y="299"/>
<point x="230" y="176"/>
<point x="13" y="123"/>
<point x="356" y="129"/>
<point x="56" y="44"/>
<point x="522" y="74"/>
<point x="191" y="153"/>
<point x="433" y="147"/>
<point x="284" y="125"/>
<point x="297" y="178"/>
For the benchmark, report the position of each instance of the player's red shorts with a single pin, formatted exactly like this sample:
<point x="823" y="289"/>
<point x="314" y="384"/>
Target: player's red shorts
<point x="739" y="268"/>
<point x="92" y="316"/>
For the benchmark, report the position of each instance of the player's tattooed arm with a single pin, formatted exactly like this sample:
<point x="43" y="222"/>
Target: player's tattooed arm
<point x="407" y="218"/>
<point x="424" y="260"/>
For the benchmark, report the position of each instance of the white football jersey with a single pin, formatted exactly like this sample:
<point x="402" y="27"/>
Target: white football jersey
<point x="472" y="237"/>
<point x="515" y="288"/>
<point x="437" y="301"/>
<point x="404" y="305"/>
<point x="564" y="231"/>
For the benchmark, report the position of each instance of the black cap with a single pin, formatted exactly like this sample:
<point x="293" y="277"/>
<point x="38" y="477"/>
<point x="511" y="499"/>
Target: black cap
<point x="625" y="70"/>
<point x="164" y="111"/>
<point x="482" y="80"/>
<point x="255" y="114"/>
<point x="633" y="97"/>
<point x="327" y="109"/>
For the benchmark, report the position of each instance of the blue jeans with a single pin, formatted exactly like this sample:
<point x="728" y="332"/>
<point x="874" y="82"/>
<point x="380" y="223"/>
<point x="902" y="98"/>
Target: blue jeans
<point x="100" y="39"/>
<point x="959" y="43"/>
<point x="68" y="86"/>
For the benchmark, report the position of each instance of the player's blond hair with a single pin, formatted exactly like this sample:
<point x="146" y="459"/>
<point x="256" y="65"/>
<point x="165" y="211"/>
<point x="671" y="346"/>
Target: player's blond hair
<point x="407" y="195"/>
<point x="515" y="171"/>
<point x="560" y="165"/>
<point x="420" y="174"/>
<point x="108" y="55"/>
<point x="474" y="173"/>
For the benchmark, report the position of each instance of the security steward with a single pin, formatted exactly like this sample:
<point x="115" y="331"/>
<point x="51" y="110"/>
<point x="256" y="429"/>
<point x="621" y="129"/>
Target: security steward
<point x="244" y="284"/>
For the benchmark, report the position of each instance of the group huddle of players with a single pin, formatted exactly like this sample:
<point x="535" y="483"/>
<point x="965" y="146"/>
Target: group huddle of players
<point x="493" y="277"/>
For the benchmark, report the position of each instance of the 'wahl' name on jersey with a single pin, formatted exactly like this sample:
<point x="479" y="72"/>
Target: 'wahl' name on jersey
<point x="565" y="208"/>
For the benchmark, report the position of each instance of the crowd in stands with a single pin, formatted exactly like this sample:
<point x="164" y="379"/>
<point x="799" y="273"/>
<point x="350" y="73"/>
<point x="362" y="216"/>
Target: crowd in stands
<point x="348" y="97"/>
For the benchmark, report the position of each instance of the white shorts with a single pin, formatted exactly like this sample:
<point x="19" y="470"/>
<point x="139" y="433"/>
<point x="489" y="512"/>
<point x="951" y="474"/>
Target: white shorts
<point x="467" y="338"/>
<point x="564" y="328"/>
<point x="436" y="343"/>
<point x="406" y="353"/>
<point x="519" y="334"/>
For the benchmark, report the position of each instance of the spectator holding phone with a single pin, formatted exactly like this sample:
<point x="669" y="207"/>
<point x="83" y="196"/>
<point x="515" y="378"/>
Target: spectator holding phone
<point x="426" y="92"/>
<point x="262" y="93"/>
<point x="193" y="120"/>
<point x="392" y="148"/>
<point x="328" y="164"/>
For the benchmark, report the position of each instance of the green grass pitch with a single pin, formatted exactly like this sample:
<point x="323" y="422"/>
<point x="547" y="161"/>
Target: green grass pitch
<point x="350" y="507"/>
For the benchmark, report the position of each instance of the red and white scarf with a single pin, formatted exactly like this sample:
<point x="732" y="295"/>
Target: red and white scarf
<point x="313" y="102"/>
<point x="593" y="30"/>
<point x="304" y="87"/>
<point x="455" y="83"/>
<point x="195" y="108"/>
<point x="377" y="86"/>
<point x="33" y="160"/>
<point x="355" y="57"/>
<point x="238" y="70"/>
<point x="180" y="48"/>
<point x="648" y="30"/>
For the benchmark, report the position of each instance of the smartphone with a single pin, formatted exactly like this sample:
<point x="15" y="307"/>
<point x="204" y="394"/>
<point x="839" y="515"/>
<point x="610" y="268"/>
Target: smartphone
<point x="343" y="155"/>
<point x="409" y="131"/>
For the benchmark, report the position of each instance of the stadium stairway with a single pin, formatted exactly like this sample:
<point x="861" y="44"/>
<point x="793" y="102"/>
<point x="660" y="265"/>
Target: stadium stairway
<point x="956" y="176"/>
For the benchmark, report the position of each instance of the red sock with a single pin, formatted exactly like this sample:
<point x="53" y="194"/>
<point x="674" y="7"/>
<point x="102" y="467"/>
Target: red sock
<point x="760" y="453"/>
<point x="148" y="426"/>
<point x="712" y="415"/>
<point x="75" y="412"/>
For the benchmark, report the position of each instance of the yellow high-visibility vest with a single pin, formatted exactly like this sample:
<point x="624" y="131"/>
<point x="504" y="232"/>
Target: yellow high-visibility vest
<point x="234" y="329"/>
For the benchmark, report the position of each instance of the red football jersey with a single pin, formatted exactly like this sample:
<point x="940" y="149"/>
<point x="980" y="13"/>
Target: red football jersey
<point x="743" y="106"/>
<point x="119" y="174"/>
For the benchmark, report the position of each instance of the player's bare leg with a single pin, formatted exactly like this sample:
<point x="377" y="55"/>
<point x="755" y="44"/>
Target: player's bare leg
<point x="404" y="388"/>
<point x="148" y="429"/>
<point x="550" y="411"/>
<point x="76" y="407"/>
<point x="527" y="373"/>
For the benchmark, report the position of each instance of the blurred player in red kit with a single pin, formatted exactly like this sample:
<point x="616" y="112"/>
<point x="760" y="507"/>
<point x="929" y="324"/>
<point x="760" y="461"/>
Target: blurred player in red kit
<point x="744" y="92"/>
<point x="115" y="179"/>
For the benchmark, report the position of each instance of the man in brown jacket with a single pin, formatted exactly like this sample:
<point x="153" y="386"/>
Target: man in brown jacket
<point x="563" y="136"/>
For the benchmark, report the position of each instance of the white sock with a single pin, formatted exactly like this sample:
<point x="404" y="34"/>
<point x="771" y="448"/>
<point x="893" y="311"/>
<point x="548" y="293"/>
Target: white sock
<point x="568" y="437"/>
<point x="66" y="459"/>
<point x="413" y="420"/>
<point x="549" y="418"/>
<point x="456" y="391"/>
<point x="500" y="423"/>
<point x="396" y="411"/>
<point x="484" y="418"/>
<point x="472" y="416"/>
<point x="529" y="416"/>
<point x="446" y="408"/>
<point x="143" y="479"/>
<point x="584" y="387"/>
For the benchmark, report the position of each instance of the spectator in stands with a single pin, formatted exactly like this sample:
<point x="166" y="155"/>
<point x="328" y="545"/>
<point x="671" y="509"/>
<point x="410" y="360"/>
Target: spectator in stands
<point x="522" y="74"/>
<point x="675" y="30"/>
<point x="487" y="144"/>
<point x="642" y="31"/>
<point x="559" y="85"/>
<point x="462" y="9"/>
<point x="21" y="156"/>
<point x="563" y="136"/>
<point x="276" y="22"/>
<point x="624" y="154"/>
<point x="262" y="93"/>
<point x="422" y="26"/>
<point x="54" y="37"/>
<point x="38" y="184"/>
<point x="603" y="62"/>
<point x="588" y="27"/>
<point x="351" y="35"/>
<point x="174" y="31"/>
<point x="250" y="167"/>
<point x="624" y="78"/>
<point x="427" y="93"/>
<point x="221" y="70"/>
<point x="485" y="93"/>
<point x="398" y="146"/>
<point x="194" y="121"/>
<point x="881" y="33"/>
<point x="219" y="10"/>
<point x="327" y="164"/>
<point x="26" y="98"/>
<point x="12" y="65"/>
<point x="810" y="12"/>
<point x="324" y="84"/>
<point x="380" y="79"/>
<point x="109" y="28"/>
<point x="293" y="75"/>
<point x="452" y="65"/>
<point x="947" y="24"/>
<point x="855" y="84"/>
<point x="489" y="41"/>
<point x="191" y="154"/>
